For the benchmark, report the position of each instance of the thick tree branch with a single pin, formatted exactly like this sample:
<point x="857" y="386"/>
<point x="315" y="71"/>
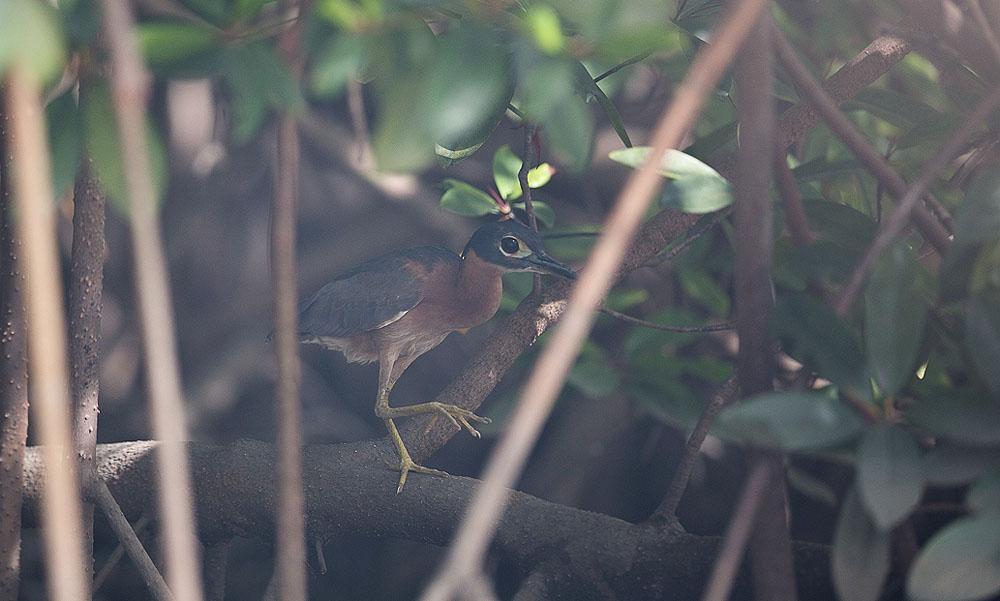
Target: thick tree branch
<point x="350" y="490"/>
<point x="14" y="379"/>
<point x="85" y="292"/>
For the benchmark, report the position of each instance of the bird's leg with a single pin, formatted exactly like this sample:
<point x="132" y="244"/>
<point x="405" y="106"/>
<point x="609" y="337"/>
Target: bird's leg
<point x="390" y="368"/>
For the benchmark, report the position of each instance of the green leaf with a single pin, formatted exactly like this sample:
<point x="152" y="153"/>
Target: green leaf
<point x="982" y="338"/>
<point x="543" y="23"/>
<point x="259" y="80"/>
<point x="895" y="310"/>
<point x="569" y="132"/>
<point x="590" y="90"/>
<point x="463" y="199"/>
<point x="695" y="187"/>
<point x="506" y="166"/>
<point x="978" y="218"/>
<point x="890" y="474"/>
<point x="335" y="64"/>
<point x="840" y="224"/>
<point x="624" y="299"/>
<point x="543" y="212"/>
<point x="822" y="169"/>
<point x="984" y="496"/>
<point x="594" y="376"/>
<point x="30" y="34"/>
<point x="860" y="559"/>
<point x="167" y="41"/>
<point x="102" y="143"/>
<point x="960" y="563"/>
<point x="65" y="141"/>
<point x="901" y="110"/>
<point x="951" y="465"/>
<point x="791" y="421"/>
<point x="701" y="287"/>
<point x="962" y="416"/>
<point x="813" y="334"/>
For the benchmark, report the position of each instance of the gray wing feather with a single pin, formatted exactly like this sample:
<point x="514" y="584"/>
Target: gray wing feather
<point x="361" y="300"/>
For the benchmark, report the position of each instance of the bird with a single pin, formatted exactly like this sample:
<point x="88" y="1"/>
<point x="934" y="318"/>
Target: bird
<point x="395" y="308"/>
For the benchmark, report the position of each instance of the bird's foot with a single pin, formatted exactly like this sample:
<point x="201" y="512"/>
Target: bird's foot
<point x="407" y="465"/>
<point x="462" y="418"/>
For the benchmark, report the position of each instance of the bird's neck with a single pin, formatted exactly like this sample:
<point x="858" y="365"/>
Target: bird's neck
<point x="478" y="288"/>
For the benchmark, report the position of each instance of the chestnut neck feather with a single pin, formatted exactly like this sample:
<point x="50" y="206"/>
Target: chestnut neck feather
<point x="477" y="289"/>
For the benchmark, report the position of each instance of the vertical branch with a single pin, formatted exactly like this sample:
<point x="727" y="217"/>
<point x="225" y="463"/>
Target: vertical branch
<point x="291" y="544"/>
<point x="85" y="291"/>
<point x="791" y="201"/>
<point x="13" y="379"/>
<point x="129" y="89"/>
<point x="465" y="556"/>
<point x="46" y="337"/>
<point x="753" y="215"/>
<point x="530" y="160"/>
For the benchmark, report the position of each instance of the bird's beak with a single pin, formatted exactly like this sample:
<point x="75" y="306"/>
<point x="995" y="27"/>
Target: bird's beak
<point x="542" y="263"/>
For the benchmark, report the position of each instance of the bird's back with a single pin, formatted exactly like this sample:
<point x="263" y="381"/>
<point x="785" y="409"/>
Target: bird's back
<point x="371" y="295"/>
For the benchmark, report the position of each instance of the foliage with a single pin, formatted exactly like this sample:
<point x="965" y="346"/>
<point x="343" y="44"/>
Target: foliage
<point x="907" y="383"/>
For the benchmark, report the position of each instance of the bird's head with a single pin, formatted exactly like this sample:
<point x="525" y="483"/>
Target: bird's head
<point x="513" y="246"/>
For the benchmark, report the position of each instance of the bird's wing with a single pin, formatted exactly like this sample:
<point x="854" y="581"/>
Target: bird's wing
<point x="366" y="298"/>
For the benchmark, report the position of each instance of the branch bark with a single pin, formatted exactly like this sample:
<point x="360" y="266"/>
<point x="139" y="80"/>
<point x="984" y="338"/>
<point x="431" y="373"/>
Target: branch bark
<point x="351" y="491"/>
<point x="85" y="293"/>
<point x="13" y="377"/>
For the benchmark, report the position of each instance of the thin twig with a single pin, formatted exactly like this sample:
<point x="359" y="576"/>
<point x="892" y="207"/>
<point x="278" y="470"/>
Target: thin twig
<point x="620" y="66"/>
<point x="129" y="540"/>
<point x="734" y="543"/>
<point x="712" y="327"/>
<point x="291" y="538"/>
<point x="465" y="556"/>
<point x="791" y="201"/>
<point x="531" y="152"/>
<point x="129" y="84"/>
<point x="840" y="125"/>
<point x="46" y="336"/>
<point x="666" y="513"/>
<point x="85" y="294"/>
<point x="13" y="375"/>
<point x="116" y="555"/>
<point x="908" y="201"/>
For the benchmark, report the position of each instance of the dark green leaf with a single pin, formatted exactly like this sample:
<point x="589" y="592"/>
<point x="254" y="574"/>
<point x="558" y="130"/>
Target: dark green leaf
<point x="984" y="496"/>
<point x="706" y="146"/>
<point x="543" y="212"/>
<point x="624" y="299"/>
<point x="259" y="80"/>
<point x="813" y="334"/>
<point x="890" y="474"/>
<point x="30" y="34"/>
<point x="840" y="224"/>
<point x="895" y="310"/>
<point x="823" y="261"/>
<point x="982" y="338"/>
<point x="902" y="110"/>
<point x="590" y="90"/>
<point x="594" y="377"/>
<point x="961" y="562"/>
<point x="791" y="421"/>
<point x="463" y="199"/>
<point x="978" y="219"/>
<point x="950" y="465"/>
<point x="65" y="143"/>
<point x="701" y="287"/>
<point x="860" y="553"/>
<point x="821" y="169"/>
<point x="569" y="132"/>
<point x="962" y="416"/>
<point x="167" y="41"/>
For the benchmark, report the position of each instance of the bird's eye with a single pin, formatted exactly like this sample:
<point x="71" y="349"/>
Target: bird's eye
<point x="509" y="245"/>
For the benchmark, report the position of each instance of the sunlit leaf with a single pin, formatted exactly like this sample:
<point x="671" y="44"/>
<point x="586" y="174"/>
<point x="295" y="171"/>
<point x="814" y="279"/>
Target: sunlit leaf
<point x="543" y="23"/>
<point x="507" y="165"/>
<point x="463" y="199"/>
<point x="30" y="34"/>
<point x="960" y="563"/>
<point x="695" y="187"/>
<point x="167" y="41"/>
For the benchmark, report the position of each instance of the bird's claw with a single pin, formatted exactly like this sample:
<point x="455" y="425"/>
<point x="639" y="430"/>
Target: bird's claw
<point x="460" y="417"/>
<point x="407" y="465"/>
